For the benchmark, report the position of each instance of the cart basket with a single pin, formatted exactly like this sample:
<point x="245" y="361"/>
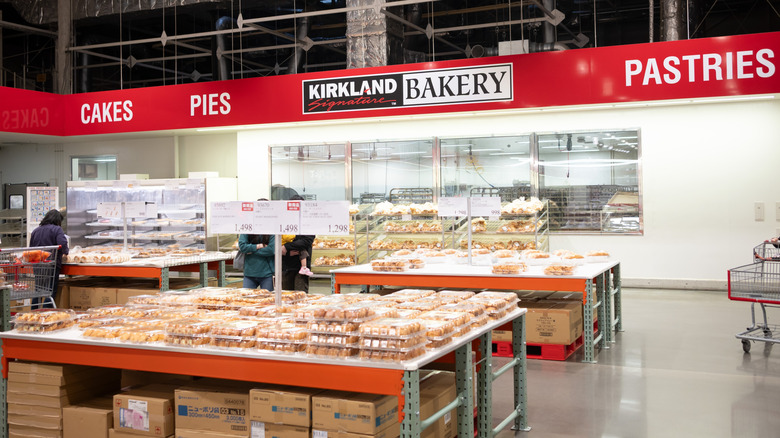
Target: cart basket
<point x="767" y="251"/>
<point x="757" y="282"/>
<point x="30" y="272"/>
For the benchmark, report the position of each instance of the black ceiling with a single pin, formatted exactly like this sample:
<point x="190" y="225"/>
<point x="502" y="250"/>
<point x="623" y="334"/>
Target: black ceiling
<point x="32" y="57"/>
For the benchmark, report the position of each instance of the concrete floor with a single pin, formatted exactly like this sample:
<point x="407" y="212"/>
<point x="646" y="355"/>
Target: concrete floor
<point x="675" y="371"/>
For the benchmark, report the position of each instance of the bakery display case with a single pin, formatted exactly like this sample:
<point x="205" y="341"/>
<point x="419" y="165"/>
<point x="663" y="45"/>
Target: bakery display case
<point x="338" y="251"/>
<point x="179" y="223"/>
<point x="523" y="224"/>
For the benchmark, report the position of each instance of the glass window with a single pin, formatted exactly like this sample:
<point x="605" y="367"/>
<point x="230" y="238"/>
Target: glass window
<point x="486" y="166"/>
<point x="100" y="167"/>
<point x="398" y="171"/>
<point x="315" y="172"/>
<point x="591" y="180"/>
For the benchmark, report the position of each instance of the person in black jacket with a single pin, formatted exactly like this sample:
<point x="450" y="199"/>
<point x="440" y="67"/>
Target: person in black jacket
<point x="292" y="262"/>
<point x="49" y="233"/>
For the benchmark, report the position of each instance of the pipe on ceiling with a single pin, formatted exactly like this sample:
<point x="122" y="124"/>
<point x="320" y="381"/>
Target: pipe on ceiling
<point x="297" y="54"/>
<point x="223" y="23"/>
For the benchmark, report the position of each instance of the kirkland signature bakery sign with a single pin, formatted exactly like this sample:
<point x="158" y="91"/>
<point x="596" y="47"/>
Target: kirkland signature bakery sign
<point x="488" y="83"/>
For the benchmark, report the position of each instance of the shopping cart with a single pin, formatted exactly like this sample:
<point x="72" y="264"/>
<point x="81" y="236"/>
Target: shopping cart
<point x="30" y="272"/>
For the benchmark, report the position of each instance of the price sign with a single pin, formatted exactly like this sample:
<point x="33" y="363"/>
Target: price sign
<point x="233" y="217"/>
<point x="194" y="184"/>
<point x="109" y="210"/>
<point x="325" y="217"/>
<point x="135" y="209"/>
<point x="485" y="206"/>
<point x="453" y="207"/>
<point x="277" y="217"/>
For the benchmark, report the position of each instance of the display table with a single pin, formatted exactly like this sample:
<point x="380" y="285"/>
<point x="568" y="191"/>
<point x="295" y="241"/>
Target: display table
<point x="396" y="379"/>
<point x="598" y="282"/>
<point x="158" y="268"/>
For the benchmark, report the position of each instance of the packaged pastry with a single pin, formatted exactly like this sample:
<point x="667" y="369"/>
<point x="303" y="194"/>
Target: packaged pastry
<point x="177" y="298"/>
<point x="478" y="225"/>
<point x="392" y="328"/>
<point x="136" y="335"/>
<point x="496" y="308"/>
<point x="240" y="327"/>
<point x="438" y="332"/>
<point x="351" y="312"/>
<point x="435" y="256"/>
<point x="107" y="332"/>
<point x="149" y="323"/>
<point x="573" y="258"/>
<point x="280" y="347"/>
<point x="416" y="263"/>
<point x="509" y="297"/>
<point x="509" y="268"/>
<point x="505" y="254"/>
<point x="320" y="326"/>
<point x="141" y="311"/>
<point x="220" y="315"/>
<point x="459" y="295"/>
<point x="597" y="256"/>
<point x="201" y="340"/>
<point x="562" y="252"/>
<point x="474" y="309"/>
<point x="323" y="351"/>
<point x="264" y="310"/>
<point x="144" y="299"/>
<point x="390" y="355"/>
<point x="457" y="318"/>
<point x="405" y="295"/>
<point x="390" y="265"/>
<point x="112" y="309"/>
<point x="233" y="342"/>
<point x="189" y="326"/>
<point x="559" y="269"/>
<point x="424" y="304"/>
<point x="96" y="320"/>
<point x="330" y="339"/>
<point x="386" y="312"/>
<point x="538" y="258"/>
<point x="41" y="321"/>
<point x="408" y="313"/>
<point x="402" y="253"/>
<point x="285" y="332"/>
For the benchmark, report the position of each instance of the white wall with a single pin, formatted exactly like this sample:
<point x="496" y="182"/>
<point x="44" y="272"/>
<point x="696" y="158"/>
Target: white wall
<point x="208" y="153"/>
<point x="703" y="167"/>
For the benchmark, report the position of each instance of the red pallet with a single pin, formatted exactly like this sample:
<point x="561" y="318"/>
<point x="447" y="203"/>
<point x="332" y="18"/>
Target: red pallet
<point x="539" y="351"/>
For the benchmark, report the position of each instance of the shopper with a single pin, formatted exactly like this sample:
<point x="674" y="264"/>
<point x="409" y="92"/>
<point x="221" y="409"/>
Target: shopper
<point x="258" y="260"/>
<point x="296" y="255"/>
<point x="50" y="233"/>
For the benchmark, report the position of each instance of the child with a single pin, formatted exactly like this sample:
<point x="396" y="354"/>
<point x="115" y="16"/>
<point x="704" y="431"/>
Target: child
<point x="287" y="238"/>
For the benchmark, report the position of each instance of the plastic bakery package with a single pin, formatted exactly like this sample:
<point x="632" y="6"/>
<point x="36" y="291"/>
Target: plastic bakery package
<point x="560" y="269"/>
<point x="110" y="309"/>
<point x="201" y="340"/>
<point x="215" y="301"/>
<point x="239" y="302"/>
<point x="510" y="297"/>
<point x="220" y="315"/>
<point x="597" y="256"/>
<point x="397" y="328"/>
<point x="320" y="326"/>
<point x="286" y="347"/>
<point x="177" y="298"/>
<point x="435" y="256"/>
<point x="264" y="310"/>
<point x="44" y="321"/>
<point x="287" y="332"/>
<point x="416" y="262"/>
<point x="323" y="351"/>
<point x="189" y="326"/>
<point x="423" y="305"/>
<point x="391" y="355"/>
<point x="388" y="343"/>
<point x="233" y="342"/>
<point x="505" y="254"/>
<point x="108" y="332"/>
<point x="390" y="265"/>
<point x="405" y="295"/>
<point x="454" y="295"/>
<point x="573" y="258"/>
<point x="537" y="258"/>
<point x="142" y="311"/>
<point x="496" y="308"/>
<point x="509" y="267"/>
<point x="88" y="320"/>
<point x="461" y="320"/>
<point x="136" y="335"/>
<point x="438" y="332"/>
<point x="408" y="313"/>
<point x="240" y="327"/>
<point x="386" y="312"/>
<point x="144" y="299"/>
<point x="149" y="323"/>
<point x="335" y="340"/>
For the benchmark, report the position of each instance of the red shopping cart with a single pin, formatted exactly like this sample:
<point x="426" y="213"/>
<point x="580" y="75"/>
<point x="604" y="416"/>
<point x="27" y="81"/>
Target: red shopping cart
<point x="29" y="272"/>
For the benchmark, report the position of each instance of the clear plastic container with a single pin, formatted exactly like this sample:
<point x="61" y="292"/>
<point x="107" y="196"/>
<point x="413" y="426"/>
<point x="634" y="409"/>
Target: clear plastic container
<point x="144" y="299"/>
<point x="457" y="318"/>
<point x="137" y="335"/>
<point x="44" y="320"/>
<point x="380" y="355"/>
<point x="282" y="332"/>
<point x="242" y="328"/>
<point x="390" y="265"/>
<point x="509" y="297"/>
<point x="150" y="323"/>
<point x="330" y="339"/>
<point x="392" y="328"/>
<point x="98" y="320"/>
<point x="112" y="309"/>
<point x="560" y="269"/>
<point x="331" y="351"/>
<point x="354" y="312"/>
<point x="437" y="329"/>
<point x="509" y="268"/>
<point x="495" y="308"/>
<point x="189" y="326"/>
<point x="458" y="294"/>
<point x="394" y="344"/>
<point x="424" y="305"/>
<point x="177" y="298"/>
<point x="405" y="295"/>
<point x="408" y="313"/>
<point x="188" y="340"/>
<point x="473" y="308"/>
<point x="264" y="310"/>
<point x="108" y="332"/>
<point x="142" y="310"/>
<point x="280" y="346"/>
<point x="416" y="263"/>
<point x="317" y="326"/>
<point x="233" y="342"/>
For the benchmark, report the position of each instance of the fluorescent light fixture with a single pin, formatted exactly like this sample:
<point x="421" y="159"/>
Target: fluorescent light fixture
<point x="101" y="160"/>
<point x="409" y="153"/>
<point x="506" y="153"/>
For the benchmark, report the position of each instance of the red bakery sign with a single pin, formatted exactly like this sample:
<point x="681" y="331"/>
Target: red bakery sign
<point x="724" y="66"/>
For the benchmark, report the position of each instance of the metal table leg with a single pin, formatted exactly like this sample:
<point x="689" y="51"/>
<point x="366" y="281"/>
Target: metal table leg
<point x="520" y="374"/>
<point x="464" y="383"/>
<point x="204" y="274"/>
<point x="485" y="387"/>
<point x="607" y="322"/>
<point x="587" y="317"/>
<point x="410" y="426"/>
<point x="601" y="299"/>
<point x="617" y="291"/>
<point x="221" y="273"/>
<point x="164" y="279"/>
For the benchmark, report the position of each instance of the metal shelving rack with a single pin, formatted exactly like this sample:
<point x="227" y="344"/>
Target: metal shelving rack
<point x="13" y="228"/>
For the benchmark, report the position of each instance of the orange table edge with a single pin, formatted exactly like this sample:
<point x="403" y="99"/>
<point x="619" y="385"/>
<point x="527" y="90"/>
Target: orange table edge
<point x="466" y="281"/>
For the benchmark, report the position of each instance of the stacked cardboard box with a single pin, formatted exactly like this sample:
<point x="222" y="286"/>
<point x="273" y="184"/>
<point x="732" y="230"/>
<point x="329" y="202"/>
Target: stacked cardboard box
<point x="37" y="393"/>
<point x="437" y="390"/>
<point x="90" y="419"/>
<point x="85" y="293"/>
<point x="525" y="297"/>
<point x="281" y="411"/>
<point x="144" y="411"/>
<point x="553" y="322"/>
<point x="216" y="406"/>
<point x="354" y="415"/>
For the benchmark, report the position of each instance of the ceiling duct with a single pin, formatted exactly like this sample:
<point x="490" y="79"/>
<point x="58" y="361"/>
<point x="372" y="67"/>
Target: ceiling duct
<point x="673" y="20"/>
<point x="45" y="11"/>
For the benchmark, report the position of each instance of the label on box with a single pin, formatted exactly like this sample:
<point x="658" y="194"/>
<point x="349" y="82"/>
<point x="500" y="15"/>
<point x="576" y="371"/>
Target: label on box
<point x="258" y="429"/>
<point x="132" y="419"/>
<point x="319" y="433"/>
